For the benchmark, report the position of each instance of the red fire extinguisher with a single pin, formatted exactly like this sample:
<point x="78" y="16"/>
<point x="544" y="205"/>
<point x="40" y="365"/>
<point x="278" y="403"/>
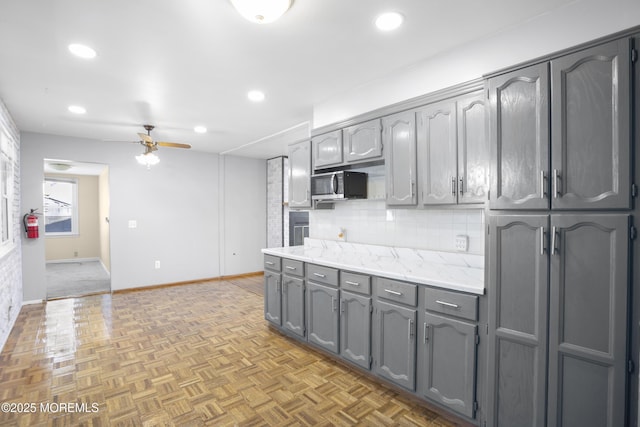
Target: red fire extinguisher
<point x="30" y="221"/>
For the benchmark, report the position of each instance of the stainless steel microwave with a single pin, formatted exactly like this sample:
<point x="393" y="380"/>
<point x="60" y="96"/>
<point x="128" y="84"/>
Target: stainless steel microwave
<point x="341" y="185"/>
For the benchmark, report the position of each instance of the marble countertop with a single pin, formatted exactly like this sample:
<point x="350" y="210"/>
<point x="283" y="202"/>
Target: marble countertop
<point x="456" y="271"/>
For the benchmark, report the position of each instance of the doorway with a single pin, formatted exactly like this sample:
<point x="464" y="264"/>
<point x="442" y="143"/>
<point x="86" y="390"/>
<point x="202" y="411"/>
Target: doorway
<point x="76" y="228"/>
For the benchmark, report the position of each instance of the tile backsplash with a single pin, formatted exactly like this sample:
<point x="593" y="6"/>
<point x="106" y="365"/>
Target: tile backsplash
<point x="370" y="222"/>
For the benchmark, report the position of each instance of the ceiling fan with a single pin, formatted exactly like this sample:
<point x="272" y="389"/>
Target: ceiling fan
<point x="148" y="158"/>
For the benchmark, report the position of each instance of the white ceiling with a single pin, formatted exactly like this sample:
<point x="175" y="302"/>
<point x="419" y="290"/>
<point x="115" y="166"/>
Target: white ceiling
<point x="178" y="64"/>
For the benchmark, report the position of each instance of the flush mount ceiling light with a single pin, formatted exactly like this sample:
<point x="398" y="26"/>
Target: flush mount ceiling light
<point x="255" y="95"/>
<point x="82" y="51"/>
<point x="389" y="21"/>
<point x="77" y="109"/>
<point x="261" y="11"/>
<point x="60" y="166"/>
<point x="200" y="129"/>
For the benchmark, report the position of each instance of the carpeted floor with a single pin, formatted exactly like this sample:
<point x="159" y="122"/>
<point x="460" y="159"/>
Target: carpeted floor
<point x="76" y="278"/>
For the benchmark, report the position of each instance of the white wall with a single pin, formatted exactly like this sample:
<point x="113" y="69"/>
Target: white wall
<point x="176" y="205"/>
<point x="576" y="23"/>
<point x="244" y="208"/>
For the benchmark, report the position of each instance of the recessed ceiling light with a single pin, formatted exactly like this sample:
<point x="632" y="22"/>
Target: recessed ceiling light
<point x="77" y="109"/>
<point x="200" y="129"/>
<point x="82" y="51"/>
<point x="256" y="95"/>
<point x="389" y="21"/>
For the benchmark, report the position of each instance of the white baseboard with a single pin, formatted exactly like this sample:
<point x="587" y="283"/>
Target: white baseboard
<point x="70" y="260"/>
<point x="33" y="301"/>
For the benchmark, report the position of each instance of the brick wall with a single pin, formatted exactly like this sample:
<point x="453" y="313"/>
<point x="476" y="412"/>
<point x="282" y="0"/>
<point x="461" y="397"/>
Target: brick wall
<point x="11" y="263"/>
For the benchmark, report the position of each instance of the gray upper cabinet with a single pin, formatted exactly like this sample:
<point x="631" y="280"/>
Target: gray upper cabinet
<point x="322" y="316"/>
<point x="363" y="141"/>
<point x="399" y="139"/>
<point x="473" y="150"/>
<point x="355" y="328"/>
<point x="588" y="320"/>
<point x="300" y="175"/>
<point x="518" y="302"/>
<point x="437" y="148"/>
<point x="450" y="362"/>
<point x="327" y="149"/>
<point x="583" y="160"/>
<point x="519" y="138"/>
<point x="395" y="343"/>
<point x="590" y="158"/>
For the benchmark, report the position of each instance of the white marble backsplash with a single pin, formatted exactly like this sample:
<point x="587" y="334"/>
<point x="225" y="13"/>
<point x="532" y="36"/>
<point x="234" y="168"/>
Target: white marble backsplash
<point x="370" y="222"/>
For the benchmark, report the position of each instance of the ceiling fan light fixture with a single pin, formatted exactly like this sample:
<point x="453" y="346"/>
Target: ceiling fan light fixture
<point x="261" y="11"/>
<point x="148" y="159"/>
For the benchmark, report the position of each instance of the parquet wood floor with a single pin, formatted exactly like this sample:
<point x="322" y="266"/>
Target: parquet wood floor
<point x="190" y="355"/>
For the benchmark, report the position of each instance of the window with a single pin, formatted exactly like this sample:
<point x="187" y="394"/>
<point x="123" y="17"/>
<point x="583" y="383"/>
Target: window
<point x="60" y="206"/>
<point x="7" y="156"/>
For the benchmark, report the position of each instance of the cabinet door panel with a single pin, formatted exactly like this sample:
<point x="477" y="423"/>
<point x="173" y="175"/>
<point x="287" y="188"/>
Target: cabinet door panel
<point x="399" y="137"/>
<point x="322" y="316"/>
<point x="293" y="305"/>
<point x="327" y="149"/>
<point x="473" y="150"/>
<point x="300" y="175"/>
<point x="272" y="298"/>
<point x="450" y="363"/>
<point x="363" y="141"/>
<point x="591" y="128"/>
<point x="519" y="131"/>
<point x="395" y="343"/>
<point x="588" y="319"/>
<point x="355" y="329"/>
<point x="518" y="301"/>
<point x="438" y="153"/>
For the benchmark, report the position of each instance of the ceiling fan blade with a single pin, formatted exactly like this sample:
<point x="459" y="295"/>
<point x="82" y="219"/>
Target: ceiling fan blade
<point x="173" y="144"/>
<point x="146" y="138"/>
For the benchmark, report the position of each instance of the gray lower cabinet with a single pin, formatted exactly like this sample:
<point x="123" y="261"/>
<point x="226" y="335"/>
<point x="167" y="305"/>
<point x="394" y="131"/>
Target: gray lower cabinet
<point x="450" y="362"/>
<point x="355" y="328"/>
<point x="273" y="297"/>
<point x="322" y="316"/>
<point x="566" y="274"/>
<point x="293" y="305"/>
<point x="395" y="343"/>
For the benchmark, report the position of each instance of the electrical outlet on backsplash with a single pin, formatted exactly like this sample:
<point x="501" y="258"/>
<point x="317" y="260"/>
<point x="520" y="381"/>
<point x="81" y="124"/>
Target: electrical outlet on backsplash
<point x="370" y="222"/>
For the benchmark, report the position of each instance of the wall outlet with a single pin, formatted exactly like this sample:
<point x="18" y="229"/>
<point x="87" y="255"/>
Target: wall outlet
<point x="157" y="264"/>
<point x="462" y="243"/>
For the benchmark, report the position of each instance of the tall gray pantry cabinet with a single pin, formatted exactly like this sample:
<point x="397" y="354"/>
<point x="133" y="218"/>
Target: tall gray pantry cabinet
<point x="560" y="231"/>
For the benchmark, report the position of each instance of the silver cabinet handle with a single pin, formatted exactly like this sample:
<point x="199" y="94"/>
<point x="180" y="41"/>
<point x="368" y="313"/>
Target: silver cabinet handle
<point x="542" y="241"/>
<point x="410" y="329"/>
<point x="447" y="304"/>
<point x="270" y="263"/>
<point x="319" y="275"/>
<point x="278" y="286"/>
<point x="341" y="305"/>
<point x="349" y="282"/>
<point x="334" y="306"/>
<point x="556" y="185"/>
<point x="288" y="267"/>
<point x="553" y="240"/>
<point x="453" y="186"/>
<point x="393" y="292"/>
<point x="543" y="190"/>
<point x="461" y="186"/>
<point x="425" y="338"/>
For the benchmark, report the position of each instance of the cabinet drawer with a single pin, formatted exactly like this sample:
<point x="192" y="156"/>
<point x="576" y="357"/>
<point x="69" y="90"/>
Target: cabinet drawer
<point x="293" y="267"/>
<point x="272" y="263"/>
<point x="353" y="282"/>
<point x="452" y="303"/>
<point x="320" y="274"/>
<point x="393" y="290"/>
